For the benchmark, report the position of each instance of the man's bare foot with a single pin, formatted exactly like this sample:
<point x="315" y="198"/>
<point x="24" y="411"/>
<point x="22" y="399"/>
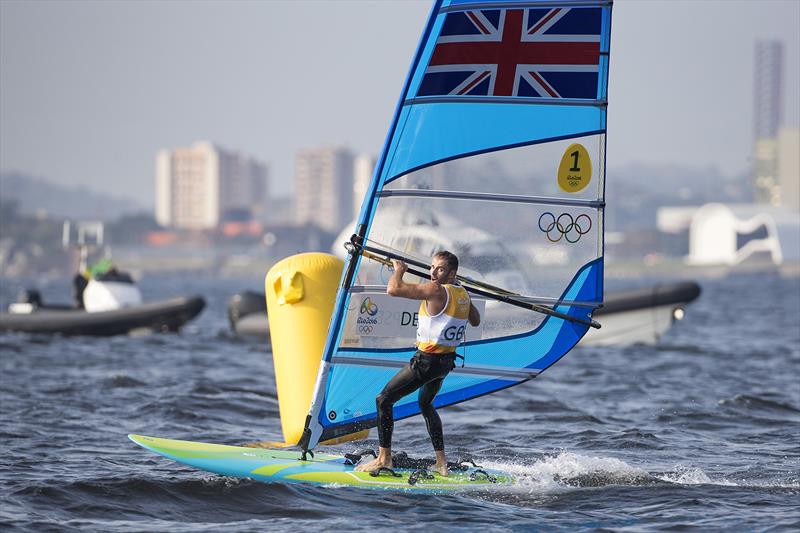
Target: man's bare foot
<point x="373" y="465"/>
<point x="384" y="460"/>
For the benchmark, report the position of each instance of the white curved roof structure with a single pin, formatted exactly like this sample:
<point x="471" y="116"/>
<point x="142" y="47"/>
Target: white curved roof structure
<point x="716" y="234"/>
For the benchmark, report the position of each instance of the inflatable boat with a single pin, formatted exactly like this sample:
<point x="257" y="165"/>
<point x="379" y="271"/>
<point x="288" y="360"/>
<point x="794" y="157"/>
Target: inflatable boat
<point x="106" y="307"/>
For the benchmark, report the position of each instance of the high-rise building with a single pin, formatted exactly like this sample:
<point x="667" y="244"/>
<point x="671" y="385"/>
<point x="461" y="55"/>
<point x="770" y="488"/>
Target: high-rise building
<point x="324" y="187"/>
<point x="789" y="167"/>
<point x="362" y="176"/>
<point x="197" y="187"/>
<point x="767" y="119"/>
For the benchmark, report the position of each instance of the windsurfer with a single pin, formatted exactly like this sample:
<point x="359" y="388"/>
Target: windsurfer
<point x="444" y="311"/>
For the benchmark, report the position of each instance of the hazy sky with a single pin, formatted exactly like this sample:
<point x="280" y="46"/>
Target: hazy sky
<point x="89" y="91"/>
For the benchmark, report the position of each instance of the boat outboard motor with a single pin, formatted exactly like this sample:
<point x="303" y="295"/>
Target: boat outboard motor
<point x="243" y="304"/>
<point x="28" y="301"/>
<point x="30" y="296"/>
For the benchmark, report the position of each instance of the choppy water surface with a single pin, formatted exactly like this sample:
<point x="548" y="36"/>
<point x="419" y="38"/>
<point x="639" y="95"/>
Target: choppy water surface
<point x="702" y="431"/>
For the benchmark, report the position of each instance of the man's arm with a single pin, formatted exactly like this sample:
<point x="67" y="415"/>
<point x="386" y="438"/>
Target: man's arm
<point x="414" y="291"/>
<point x="474" y="316"/>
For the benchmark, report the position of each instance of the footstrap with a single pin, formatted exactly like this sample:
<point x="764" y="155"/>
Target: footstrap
<point x="474" y="476"/>
<point x="353" y="458"/>
<point x="416" y="475"/>
<point x="402" y="460"/>
<point x="463" y="464"/>
<point x="377" y="472"/>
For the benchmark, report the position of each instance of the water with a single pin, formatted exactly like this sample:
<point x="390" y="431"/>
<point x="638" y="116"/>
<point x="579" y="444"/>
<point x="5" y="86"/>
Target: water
<point x="702" y="431"/>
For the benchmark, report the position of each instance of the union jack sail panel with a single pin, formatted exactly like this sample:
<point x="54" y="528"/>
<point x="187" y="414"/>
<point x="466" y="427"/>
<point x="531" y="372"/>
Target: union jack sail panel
<point x="544" y="53"/>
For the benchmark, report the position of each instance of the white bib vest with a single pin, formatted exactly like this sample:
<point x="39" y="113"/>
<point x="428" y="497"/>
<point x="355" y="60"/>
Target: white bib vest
<point x="443" y="332"/>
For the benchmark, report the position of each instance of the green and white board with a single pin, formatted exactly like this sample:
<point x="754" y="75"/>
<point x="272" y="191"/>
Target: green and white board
<point x="285" y="466"/>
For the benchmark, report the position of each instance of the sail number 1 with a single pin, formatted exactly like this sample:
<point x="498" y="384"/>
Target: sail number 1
<point x="575" y="169"/>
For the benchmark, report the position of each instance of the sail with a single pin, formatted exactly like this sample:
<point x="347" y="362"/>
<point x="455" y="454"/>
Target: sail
<point x="497" y="154"/>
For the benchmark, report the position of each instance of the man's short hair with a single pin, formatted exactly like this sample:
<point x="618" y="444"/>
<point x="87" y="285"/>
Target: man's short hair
<point x="450" y="257"/>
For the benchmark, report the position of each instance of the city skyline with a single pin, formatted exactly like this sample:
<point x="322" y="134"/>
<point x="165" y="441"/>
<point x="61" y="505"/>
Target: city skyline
<point x="85" y="100"/>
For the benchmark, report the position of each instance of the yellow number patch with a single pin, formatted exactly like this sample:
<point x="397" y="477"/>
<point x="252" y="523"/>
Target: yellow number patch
<point x="575" y="169"/>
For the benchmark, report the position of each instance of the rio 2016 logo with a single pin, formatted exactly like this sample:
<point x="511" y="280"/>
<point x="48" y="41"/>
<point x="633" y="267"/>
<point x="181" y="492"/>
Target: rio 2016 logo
<point x="368" y="307"/>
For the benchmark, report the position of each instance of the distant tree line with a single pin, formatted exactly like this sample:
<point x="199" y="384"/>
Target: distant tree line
<point x="21" y="227"/>
<point x="46" y="232"/>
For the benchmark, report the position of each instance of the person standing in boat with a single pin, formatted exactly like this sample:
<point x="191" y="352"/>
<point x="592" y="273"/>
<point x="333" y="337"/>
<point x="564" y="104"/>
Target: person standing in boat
<point x="79" y="283"/>
<point x="444" y="311"/>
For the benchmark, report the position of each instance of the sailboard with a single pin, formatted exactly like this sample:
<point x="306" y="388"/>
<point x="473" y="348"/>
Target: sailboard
<point x="284" y="466"/>
<point x="500" y="131"/>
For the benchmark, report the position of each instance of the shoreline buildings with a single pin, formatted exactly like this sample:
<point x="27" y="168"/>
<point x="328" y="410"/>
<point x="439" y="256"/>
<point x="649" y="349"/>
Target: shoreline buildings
<point x="323" y="187"/>
<point x="199" y="187"/>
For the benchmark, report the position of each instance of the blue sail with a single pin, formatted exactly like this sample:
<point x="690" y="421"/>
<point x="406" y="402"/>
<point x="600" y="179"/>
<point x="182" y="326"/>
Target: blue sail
<point x="496" y="153"/>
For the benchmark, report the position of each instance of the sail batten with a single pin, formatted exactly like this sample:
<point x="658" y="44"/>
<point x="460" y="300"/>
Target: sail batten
<point x="477" y="370"/>
<point x="490" y="197"/>
<point x="497" y="154"/>
<point x="358" y="289"/>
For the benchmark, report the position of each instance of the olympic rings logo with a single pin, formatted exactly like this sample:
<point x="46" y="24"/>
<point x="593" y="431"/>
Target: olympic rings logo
<point x="564" y="226"/>
<point x="365" y="329"/>
<point x="368" y="307"/>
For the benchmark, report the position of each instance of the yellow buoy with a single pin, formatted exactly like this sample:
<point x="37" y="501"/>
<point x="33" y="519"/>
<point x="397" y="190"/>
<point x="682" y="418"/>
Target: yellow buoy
<point x="301" y="291"/>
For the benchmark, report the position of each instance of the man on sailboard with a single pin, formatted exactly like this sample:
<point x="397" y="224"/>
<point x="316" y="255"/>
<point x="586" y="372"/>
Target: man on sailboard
<point x="445" y="309"/>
